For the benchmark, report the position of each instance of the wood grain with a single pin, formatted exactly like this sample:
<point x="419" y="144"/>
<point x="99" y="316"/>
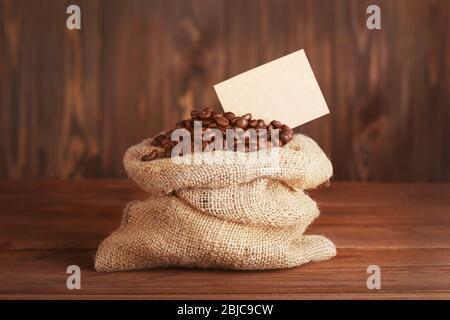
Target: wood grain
<point x="41" y="274"/>
<point x="71" y="102"/>
<point x="395" y="213"/>
<point x="404" y="228"/>
<point x="50" y="90"/>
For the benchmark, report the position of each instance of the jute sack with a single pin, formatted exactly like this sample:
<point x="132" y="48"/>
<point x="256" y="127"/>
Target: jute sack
<point x="244" y="214"/>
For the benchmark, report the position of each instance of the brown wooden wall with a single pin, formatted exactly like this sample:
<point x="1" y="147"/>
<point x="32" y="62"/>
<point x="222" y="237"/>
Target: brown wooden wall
<point x="71" y="102"/>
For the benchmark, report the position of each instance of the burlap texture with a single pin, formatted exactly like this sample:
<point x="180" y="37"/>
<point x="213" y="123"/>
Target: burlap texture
<point x="242" y="214"/>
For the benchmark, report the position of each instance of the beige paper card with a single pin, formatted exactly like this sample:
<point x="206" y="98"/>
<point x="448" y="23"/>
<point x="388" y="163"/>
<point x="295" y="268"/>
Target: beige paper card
<point x="284" y="89"/>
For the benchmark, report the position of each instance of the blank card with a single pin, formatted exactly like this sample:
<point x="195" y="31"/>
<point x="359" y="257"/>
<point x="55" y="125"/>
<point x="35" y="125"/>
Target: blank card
<point x="284" y="89"/>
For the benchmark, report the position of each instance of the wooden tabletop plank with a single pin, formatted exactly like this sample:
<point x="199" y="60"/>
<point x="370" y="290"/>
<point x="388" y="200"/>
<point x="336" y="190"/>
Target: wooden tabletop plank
<point x="404" y="228"/>
<point x="78" y="215"/>
<point x="43" y="272"/>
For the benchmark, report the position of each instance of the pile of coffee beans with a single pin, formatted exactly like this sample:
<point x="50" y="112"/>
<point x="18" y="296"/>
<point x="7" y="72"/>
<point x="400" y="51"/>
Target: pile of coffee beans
<point x="221" y="121"/>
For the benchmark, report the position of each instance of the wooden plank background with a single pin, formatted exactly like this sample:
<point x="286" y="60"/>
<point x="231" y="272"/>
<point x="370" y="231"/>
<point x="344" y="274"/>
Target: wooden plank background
<point x="71" y="102"/>
<point x="404" y="228"/>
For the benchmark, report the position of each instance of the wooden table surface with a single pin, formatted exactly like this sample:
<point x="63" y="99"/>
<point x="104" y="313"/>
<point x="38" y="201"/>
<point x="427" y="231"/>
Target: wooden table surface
<point x="403" y="228"/>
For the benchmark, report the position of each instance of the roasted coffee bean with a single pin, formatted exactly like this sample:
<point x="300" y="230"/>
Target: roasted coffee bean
<point x="206" y="122"/>
<point x="229" y="115"/>
<point x="151" y="156"/>
<point x="290" y="134"/>
<point x="216" y="114"/>
<point x="222" y="129"/>
<point x="276" y="124"/>
<point x="221" y="121"/>
<point x="204" y="115"/>
<point x="161" y="155"/>
<point x="260" y="124"/>
<point x="165" y="143"/>
<point x="159" y="138"/>
<point x="284" y="137"/>
<point x="253" y="123"/>
<point x="241" y="123"/>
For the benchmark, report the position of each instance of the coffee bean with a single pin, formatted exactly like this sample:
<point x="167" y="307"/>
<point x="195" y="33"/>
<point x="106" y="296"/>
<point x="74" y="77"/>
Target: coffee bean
<point x="229" y="115"/>
<point x="146" y="158"/>
<point x="260" y="124"/>
<point x="165" y="143"/>
<point x="222" y="129"/>
<point x="221" y="121"/>
<point x="284" y="137"/>
<point x="290" y="134"/>
<point x="276" y="124"/>
<point x="204" y="115"/>
<point x="253" y="123"/>
<point x="216" y="114"/>
<point x="151" y="156"/>
<point x="194" y="114"/>
<point x="159" y="138"/>
<point x="206" y="122"/>
<point x="241" y="123"/>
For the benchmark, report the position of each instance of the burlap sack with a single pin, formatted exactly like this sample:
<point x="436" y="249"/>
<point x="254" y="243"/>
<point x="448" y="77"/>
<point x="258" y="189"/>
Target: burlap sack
<point x="242" y="214"/>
